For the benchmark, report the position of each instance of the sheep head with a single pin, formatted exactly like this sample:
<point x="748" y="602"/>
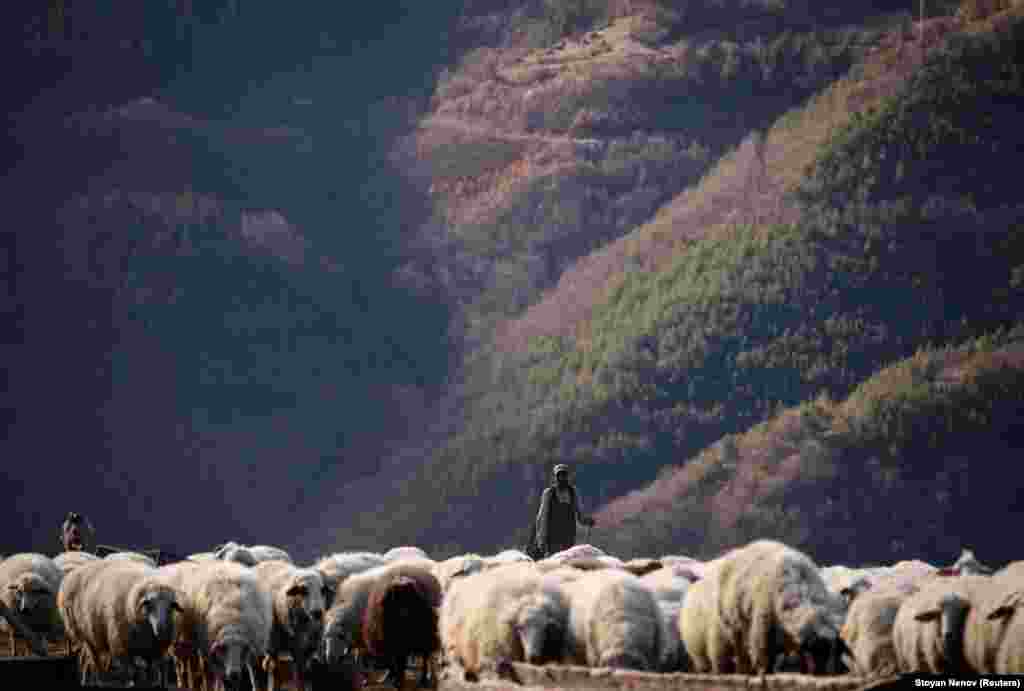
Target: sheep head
<point x="338" y="632"/>
<point x="950" y="612"/>
<point x="819" y="646"/>
<point x="850" y="592"/>
<point x="304" y="599"/>
<point x="539" y="630"/>
<point x="30" y="593"/>
<point x="156" y="604"/>
<point x="230" y="656"/>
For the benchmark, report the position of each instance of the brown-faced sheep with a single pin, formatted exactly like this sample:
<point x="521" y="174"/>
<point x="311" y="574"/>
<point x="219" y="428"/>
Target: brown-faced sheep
<point x="298" y="596"/>
<point x="511" y="614"/>
<point x="401" y="621"/>
<point x="929" y="629"/>
<point x="758" y="605"/>
<point x="118" y="610"/>
<point x="228" y="616"/>
<point x="868" y="632"/>
<point x="614" y="621"/>
<point x="28" y="589"/>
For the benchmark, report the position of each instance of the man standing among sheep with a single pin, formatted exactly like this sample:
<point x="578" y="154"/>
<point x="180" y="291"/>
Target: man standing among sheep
<point x="77" y="534"/>
<point x="559" y="512"/>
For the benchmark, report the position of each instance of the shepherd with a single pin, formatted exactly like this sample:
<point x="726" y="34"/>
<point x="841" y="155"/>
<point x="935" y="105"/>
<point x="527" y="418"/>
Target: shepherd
<point x="558" y="515"/>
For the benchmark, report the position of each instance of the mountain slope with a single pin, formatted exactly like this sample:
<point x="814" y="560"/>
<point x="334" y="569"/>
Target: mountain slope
<point x="753" y="318"/>
<point x="897" y="468"/>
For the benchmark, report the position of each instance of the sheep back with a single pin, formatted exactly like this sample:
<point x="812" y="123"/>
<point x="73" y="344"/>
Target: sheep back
<point x="463" y="565"/>
<point x="614" y="621"/>
<point x="508" y="614"/>
<point x="224" y="601"/>
<point x="298" y="606"/>
<point x="104" y="601"/>
<point x="993" y="635"/>
<point x="772" y="601"/>
<point x="400" y="618"/>
<point x="137" y="557"/>
<point x="708" y="647"/>
<point x="868" y="631"/>
<point x="69" y="561"/>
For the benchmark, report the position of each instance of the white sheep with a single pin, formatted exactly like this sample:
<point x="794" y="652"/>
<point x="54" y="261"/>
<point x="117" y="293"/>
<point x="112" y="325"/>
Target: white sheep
<point x="249" y="555"/>
<point x="228" y="615"/>
<point x="847" y="582"/>
<point x="503" y="615"/>
<point x="69" y="561"/>
<point x="396" y="553"/>
<point x="29" y="584"/>
<point x="200" y="557"/>
<point x="508" y="555"/>
<point x="994" y="632"/>
<point x="457" y="567"/>
<point x="868" y="631"/>
<point x="929" y="629"/>
<point x="576" y="552"/>
<point x="264" y="553"/>
<point x="137" y="557"/>
<point x="583" y="563"/>
<point x="118" y="610"/>
<point x="335" y="568"/>
<point x="689" y="567"/>
<point x="298" y="599"/>
<point x="614" y="621"/>
<point x="698" y="627"/>
<point x="755" y="606"/>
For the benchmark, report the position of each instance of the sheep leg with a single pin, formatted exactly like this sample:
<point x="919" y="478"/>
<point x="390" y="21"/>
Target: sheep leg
<point x="427" y="680"/>
<point x="397" y="670"/>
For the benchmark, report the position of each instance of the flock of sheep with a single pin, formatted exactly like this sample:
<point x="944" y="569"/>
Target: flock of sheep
<point x="226" y="618"/>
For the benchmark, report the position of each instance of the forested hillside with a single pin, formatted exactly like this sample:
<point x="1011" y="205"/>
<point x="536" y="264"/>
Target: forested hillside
<point x="862" y="247"/>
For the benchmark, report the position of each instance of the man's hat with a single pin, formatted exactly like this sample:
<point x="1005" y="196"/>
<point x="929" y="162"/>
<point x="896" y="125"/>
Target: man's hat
<point x="560" y="468"/>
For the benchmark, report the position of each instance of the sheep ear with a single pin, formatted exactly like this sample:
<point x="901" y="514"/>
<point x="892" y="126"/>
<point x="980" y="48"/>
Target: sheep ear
<point x="1001" y="612"/>
<point x="927" y="615"/>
